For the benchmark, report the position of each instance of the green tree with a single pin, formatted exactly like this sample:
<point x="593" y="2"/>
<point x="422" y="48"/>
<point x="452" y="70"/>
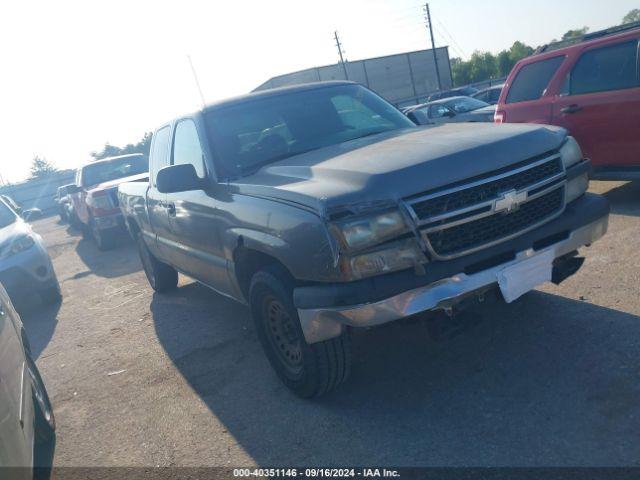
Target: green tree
<point x="41" y="167"/>
<point x="632" y="16"/>
<point x="484" y="65"/>
<point x="578" y="32"/>
<point x="504" y="63"/>
<point x="518" y="51"/>
<point x="109" y="150"/>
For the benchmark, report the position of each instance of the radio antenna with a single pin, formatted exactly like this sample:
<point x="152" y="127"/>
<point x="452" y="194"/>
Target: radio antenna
<point x="195" y="77"/>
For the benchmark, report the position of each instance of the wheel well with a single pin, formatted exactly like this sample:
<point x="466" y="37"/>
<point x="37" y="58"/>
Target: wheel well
<point x="248" y="262"/>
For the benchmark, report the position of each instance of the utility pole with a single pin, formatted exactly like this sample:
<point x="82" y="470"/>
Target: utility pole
<point x="339" y="45"/>
<point x="433" y="44"/>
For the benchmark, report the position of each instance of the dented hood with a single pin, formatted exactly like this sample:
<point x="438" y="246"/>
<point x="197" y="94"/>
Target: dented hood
<point x="398" y="164"/>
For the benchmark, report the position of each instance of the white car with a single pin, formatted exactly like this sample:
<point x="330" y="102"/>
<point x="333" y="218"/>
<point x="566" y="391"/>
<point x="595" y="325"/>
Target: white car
<point x="25" y="265"/>
<point x="27" y="426"/>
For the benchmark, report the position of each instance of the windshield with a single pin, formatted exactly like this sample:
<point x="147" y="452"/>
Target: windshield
<point x="7" y="215"/>
<point x="255" y="133"/>
<point x="466" y="104"/>
<point x="111" y="170"/>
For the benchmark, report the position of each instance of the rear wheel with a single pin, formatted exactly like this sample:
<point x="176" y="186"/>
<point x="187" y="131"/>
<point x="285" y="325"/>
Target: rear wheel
<point x="309" y="370"/>
<point x="162" y="277"/>
<point x="104" y="240"/>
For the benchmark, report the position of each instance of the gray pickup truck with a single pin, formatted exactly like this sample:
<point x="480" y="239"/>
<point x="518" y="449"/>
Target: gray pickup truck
<point x="324" y="208"/>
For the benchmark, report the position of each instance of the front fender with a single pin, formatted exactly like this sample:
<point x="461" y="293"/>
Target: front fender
<point x="307" y="252"/>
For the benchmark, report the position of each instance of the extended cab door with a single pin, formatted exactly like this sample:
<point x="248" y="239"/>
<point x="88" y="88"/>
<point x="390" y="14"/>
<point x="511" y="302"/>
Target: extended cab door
<point x="600" y="104"/>
<point x="156" y="201"/>
<point x="16" y="432"/>
<point x="194" y="219"/>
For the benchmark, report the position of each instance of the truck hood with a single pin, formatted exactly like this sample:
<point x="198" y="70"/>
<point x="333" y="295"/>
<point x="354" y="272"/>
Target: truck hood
<point x="114" y="183"/>
<point x="393" y="165"/>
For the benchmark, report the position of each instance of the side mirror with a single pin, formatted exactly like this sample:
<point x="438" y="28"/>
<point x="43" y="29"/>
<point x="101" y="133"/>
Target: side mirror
<point x="32" y="214"/>
<point x="73" y="189"/>
<point x="178" y="178"/>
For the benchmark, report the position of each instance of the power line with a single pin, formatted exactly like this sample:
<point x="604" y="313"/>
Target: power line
<point x="452" y="39"/>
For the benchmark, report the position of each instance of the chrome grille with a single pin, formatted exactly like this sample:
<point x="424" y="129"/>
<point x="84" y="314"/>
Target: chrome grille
<point x="465" y="218"/>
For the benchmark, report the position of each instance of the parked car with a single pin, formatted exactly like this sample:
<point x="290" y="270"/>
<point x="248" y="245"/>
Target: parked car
<point x="490" y="95"/>
<point x="64" y="202"/>
<point x="12" y="204"/>
<point x="591" y="88"/>
<point x="26" y="213"/>
<point x="456" y="109"/>
<point x="25" y="265"/>
<point x="455" y="92"/>
<point x="27" y="425"/>
<point x="94" y="195"/>
<point x="341" y="220"/>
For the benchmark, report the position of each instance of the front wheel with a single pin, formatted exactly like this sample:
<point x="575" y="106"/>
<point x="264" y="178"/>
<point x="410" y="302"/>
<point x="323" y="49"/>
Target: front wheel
<point x="162" y="277"/>
<point x="51" y="295"/>
<point x="309" y="370"/>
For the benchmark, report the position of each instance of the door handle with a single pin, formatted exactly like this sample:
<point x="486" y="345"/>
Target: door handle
<point x="171" y="209"/>
<point x="571" y="108"/>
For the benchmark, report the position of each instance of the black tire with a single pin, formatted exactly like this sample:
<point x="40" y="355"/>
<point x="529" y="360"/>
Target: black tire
<point x="104" y="240"/>
<point x="51" y="295"/>
<point x="162" y="277"/>
<point x="44" y="420"/>
<point x="309" y="370"/>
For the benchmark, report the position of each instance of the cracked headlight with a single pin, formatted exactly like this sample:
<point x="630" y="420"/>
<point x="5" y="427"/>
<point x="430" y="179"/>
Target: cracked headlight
<point x="399" y="256"/>
<point x="363" y="232"/>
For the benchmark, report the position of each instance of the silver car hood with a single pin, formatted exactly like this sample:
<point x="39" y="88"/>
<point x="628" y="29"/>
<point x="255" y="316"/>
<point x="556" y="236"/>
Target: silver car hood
<point x="398" y="164"/>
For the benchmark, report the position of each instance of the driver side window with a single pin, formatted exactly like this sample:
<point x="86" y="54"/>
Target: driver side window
<point x="187" y="148"/>
<point x="438" y="111"/>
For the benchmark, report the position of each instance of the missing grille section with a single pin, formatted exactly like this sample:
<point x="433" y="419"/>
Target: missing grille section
<point x="487" y="191"/>
<point x="550" y="240"/>
<point x="486" y="230"/>
<point x="490" y="262"/>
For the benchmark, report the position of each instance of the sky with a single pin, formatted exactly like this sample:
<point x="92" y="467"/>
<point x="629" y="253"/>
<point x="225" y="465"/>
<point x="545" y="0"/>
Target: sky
<point x="77" y="74"/>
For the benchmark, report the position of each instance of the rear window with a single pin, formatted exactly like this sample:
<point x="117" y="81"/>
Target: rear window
<point x="119" y="168"/>
<point x="532" y="80"/>
<point x="607" y="68"/>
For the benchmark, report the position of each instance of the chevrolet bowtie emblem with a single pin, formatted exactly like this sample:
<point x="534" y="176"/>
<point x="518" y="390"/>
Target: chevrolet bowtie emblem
<point x="510" y="201"/>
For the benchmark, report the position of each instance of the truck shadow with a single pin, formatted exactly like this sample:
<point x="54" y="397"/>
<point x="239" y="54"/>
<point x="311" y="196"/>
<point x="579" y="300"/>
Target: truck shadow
<point x="119" y="261"/>
<point x="40" y="322"/>
<point x="625" y="199"/>
<point x="544" y="381"/>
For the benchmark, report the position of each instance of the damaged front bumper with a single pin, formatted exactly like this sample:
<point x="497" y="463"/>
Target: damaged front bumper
<point x="324" y="322"/>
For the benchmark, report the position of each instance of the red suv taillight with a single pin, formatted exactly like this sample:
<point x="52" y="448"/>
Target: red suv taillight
<point x="500" y="116"/>
<point x="100" y="202"/>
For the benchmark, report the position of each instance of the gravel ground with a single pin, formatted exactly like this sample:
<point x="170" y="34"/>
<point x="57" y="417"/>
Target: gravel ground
<point x="140" y="379"/>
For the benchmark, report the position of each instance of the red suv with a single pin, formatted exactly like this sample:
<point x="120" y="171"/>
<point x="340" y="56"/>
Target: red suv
<point x="592" y="88"/>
